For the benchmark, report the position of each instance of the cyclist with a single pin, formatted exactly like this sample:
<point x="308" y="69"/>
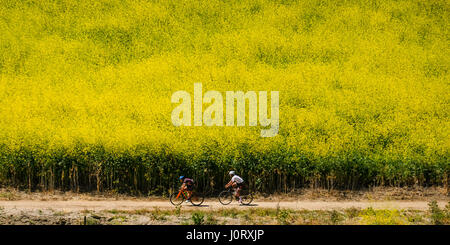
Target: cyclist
<point x="188" y="186"/>
<point x="237" y="183"/>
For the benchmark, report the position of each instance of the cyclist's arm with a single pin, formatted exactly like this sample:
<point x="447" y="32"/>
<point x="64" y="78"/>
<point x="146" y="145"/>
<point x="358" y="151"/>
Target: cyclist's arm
<point x="229" y="184"/>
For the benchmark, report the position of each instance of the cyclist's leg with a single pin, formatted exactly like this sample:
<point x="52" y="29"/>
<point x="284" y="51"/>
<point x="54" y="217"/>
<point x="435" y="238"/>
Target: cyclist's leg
<point x="190" y="190"/>
<point x="183" y="187"/>
<point x="238" y="191"/>
<point x="234" y="191"/>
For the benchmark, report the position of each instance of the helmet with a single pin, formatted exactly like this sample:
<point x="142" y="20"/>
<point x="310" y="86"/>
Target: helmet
<point x="181" y="177"/>
<point x="232" y="173"/>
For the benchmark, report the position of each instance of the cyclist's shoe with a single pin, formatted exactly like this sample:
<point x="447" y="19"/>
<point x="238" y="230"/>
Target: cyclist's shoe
<point x="188" y="201"/>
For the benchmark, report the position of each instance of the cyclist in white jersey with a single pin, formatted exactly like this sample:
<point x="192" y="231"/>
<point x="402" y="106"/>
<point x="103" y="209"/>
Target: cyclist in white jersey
<point x="237" y="183"/>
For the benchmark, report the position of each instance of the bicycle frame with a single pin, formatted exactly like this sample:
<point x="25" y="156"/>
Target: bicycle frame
<point x="181" y="192"/>
<point x="232" y="192"/>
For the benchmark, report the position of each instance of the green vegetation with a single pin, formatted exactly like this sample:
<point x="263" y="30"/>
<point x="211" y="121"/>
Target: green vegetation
<point x="85" y="91"/>
<point x="439" y="216"/>
<point x="235" y="216"/>
<point x="281" y="216"/>
<point x="198" y="218"/>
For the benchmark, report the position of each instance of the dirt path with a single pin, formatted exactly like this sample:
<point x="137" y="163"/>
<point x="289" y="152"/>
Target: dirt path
<point x="79" y="205"/>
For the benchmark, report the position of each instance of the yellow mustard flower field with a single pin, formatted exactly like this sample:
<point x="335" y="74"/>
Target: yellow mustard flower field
<point x="85" y="93"/>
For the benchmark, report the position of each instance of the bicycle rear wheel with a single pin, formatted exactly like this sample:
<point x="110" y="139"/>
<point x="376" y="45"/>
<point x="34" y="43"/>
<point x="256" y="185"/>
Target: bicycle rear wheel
<point x="197" y="199"/>
<point x="176" y="200"/>
<point x="225" y="197"/>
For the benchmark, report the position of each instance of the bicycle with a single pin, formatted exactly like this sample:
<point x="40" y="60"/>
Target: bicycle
<point x="226" y="197"/>
<point x="177" y="198"/>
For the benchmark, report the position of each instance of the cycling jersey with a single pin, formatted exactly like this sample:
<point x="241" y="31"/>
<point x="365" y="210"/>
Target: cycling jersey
<point x="236" y="179"/>
<point x="188" y="181"/>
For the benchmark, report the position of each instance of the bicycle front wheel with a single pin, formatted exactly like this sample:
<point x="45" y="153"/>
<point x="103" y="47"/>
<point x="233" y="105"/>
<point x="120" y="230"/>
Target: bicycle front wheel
<point x="225" y="197"/>
<point x="176" y="200"/>
<point x="197" y="199"/>
<point x="247" y="199"/>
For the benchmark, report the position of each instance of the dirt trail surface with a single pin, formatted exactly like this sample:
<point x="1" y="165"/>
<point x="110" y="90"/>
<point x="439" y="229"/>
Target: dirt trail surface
<point x="79" y="205"/>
